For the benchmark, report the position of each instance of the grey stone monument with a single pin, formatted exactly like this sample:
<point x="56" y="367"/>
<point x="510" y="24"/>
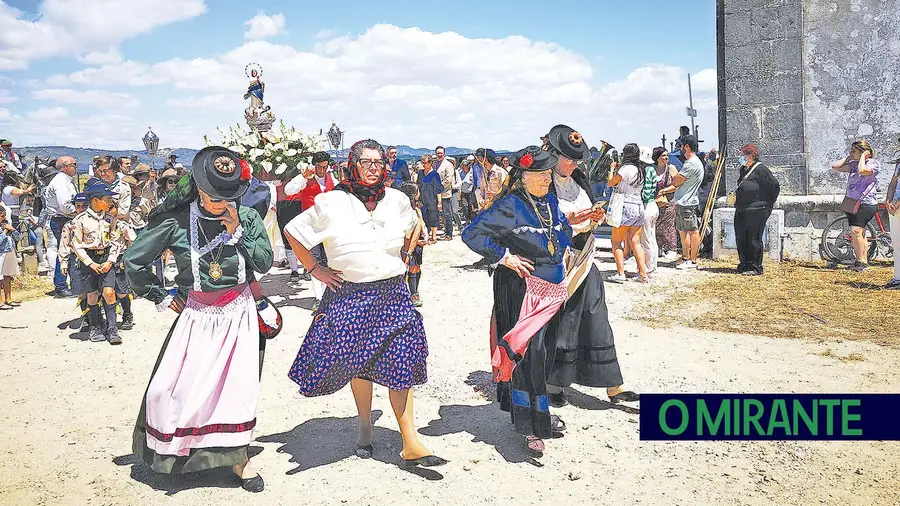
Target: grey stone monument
<point x="802" y="79"/>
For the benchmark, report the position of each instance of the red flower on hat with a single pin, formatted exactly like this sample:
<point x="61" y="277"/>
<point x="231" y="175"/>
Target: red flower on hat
<point x="245" y="170"/>
<point x="526" y="161"/>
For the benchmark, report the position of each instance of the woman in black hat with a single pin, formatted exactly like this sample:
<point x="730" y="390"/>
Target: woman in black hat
<point x="199" y="410"/>
<point x="525" y="236"/>
<point x="586" y="350"/>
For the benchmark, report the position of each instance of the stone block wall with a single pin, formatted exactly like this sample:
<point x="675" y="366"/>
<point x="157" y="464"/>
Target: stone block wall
<point x="763" y="86"/>
<point x="802" y="79"/>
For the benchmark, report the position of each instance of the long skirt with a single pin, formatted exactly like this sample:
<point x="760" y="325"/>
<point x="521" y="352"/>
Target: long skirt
<point x="285" y="211"/>
<point x="525" y="395"/>
<point x="666" y="235"/>
<point x="199" y="410"/>
<point x="369" y="331"/>
<point x="585" y="348"/>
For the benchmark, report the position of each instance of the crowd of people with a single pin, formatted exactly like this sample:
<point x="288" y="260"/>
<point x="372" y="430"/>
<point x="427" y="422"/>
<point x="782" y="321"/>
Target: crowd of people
<point x="358" y="231"/>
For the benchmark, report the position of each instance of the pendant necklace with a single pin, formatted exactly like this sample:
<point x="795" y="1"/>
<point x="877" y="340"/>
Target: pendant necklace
<point x="215" y="268"/>
<point x="548" y="228"/>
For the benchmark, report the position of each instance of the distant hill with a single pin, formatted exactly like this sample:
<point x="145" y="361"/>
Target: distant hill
<point x="84" y="155"/>
<point x="186" y="155"/>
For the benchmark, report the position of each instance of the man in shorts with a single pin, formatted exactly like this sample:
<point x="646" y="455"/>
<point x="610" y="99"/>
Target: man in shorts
<point x="687" y="199"/>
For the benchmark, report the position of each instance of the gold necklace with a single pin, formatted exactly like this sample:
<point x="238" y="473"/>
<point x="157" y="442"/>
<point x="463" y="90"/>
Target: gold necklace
<point x="215" y="268"/>
<point x="548" y="228"/>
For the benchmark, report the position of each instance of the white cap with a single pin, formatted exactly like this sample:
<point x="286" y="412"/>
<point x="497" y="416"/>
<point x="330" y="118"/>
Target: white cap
<point x="646" y="155"/>
<point x="178" y="165"/>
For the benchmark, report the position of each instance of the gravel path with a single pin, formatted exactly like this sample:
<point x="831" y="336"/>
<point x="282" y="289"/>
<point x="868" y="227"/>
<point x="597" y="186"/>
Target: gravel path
<point x="69" y="407"/>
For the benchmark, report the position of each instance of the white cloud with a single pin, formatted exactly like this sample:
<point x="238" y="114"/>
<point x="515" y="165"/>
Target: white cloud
<point x="48" y="114"/>
<point x="5" y="114"/>
<point x="110" y="56"/>
<point x="90" y="98"/>
<point x="409" y="86"/>
<point x="73" y="27"/>
<point x="6" y="97"/>
<point x="324" y="34"/>
<point x="264" y="27"/>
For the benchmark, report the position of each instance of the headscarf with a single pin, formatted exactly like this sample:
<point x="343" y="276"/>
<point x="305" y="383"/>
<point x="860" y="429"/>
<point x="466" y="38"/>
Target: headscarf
<point x="367" y="194"/>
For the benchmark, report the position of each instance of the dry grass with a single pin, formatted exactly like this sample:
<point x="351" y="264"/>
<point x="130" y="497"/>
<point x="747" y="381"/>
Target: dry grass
<point x="30" y="287"/>
<point x="853" y="357"/>
<point x="791" y="300"/>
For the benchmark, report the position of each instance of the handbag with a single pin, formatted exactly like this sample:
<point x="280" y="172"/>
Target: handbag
<point x="731" y="199"/>
<point x="662" y="201"/>
<point x="616" y="209"/>
<point x="269" y="317"/>
<point x="850" y="205"/>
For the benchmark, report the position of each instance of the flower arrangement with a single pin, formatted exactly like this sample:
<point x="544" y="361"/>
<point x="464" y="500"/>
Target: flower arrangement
<point x="275" y="154"/>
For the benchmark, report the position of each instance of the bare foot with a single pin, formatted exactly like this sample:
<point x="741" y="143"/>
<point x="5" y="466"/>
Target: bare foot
<point x="416" y="452"/>
<point x="244" y="472"/>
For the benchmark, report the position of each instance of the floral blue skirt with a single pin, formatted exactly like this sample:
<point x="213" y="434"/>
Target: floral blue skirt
<point x="369" y="331"/>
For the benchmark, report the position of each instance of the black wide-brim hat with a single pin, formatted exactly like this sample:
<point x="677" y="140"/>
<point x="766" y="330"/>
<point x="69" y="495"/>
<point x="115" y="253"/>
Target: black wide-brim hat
<point x="534" y="159"/>
<point x="218" y="172"/>
<point x="569" y="143"/>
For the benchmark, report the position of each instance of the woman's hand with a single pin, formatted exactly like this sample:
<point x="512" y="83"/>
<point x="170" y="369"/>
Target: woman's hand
<point x="230" y="219"/>
<point x="576" y="217"/>
<point x="597" y="214"/>
<point x="177" y="305"/>
<point x="520" y="265"/>
<point x="330" y="277"/>
<point x="105" y="267"/>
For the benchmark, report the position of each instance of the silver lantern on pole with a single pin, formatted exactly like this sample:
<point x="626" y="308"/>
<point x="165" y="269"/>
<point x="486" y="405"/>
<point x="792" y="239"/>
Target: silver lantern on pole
<point x="151" y="143"/>
<point x="335" y="137"/>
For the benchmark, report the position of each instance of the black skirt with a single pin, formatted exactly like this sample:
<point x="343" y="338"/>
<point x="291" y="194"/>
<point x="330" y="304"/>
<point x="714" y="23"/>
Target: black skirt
<point x="285" y="211"/>
<point x="525" y="397"/>
<point x="585" y="347"/>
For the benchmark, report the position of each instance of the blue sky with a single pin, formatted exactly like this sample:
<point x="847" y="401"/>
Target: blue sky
<point x="611" y="69"/>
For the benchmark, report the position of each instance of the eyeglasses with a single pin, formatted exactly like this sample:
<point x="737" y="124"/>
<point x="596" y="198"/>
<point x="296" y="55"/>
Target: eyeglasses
<point x="367" y="164"/>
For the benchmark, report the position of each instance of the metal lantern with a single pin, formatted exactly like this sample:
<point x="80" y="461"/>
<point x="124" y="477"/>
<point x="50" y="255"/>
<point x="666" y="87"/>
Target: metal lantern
<point x="335" y="135"/>
<point x="151" y="142"/>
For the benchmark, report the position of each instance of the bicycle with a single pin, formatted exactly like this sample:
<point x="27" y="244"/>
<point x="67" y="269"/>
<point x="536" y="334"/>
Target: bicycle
<point x="837" y="247"/>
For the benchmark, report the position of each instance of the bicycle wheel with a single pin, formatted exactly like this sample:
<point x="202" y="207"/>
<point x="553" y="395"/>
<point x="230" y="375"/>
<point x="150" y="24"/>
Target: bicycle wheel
<point x="837" y="245"/>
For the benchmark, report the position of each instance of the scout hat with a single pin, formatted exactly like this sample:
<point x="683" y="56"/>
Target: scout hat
<point x="568" y="142"/>
<point x="97" y="190"/>
<point x="220" y="173"/>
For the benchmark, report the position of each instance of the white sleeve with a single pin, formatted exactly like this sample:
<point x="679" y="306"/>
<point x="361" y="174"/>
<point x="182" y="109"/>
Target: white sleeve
<point x="296" y="185"/>
<point x="309" y="228"/>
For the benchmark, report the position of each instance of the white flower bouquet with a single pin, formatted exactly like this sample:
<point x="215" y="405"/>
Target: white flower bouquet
<point x="279" y="153"/>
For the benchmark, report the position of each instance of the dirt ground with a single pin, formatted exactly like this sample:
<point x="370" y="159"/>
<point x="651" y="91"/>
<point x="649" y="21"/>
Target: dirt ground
<point x="69" y="406"/>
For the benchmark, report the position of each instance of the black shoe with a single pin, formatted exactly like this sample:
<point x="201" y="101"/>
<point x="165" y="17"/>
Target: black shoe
<point x="85" y="326"/>
<point x="113" y="336"/>
<point x="559" y="400"/>
<point x="626" y="396"/>
<point x="893" y="284"/>
<point x="859" y="267"/>
<point x="295" y="275"/>
<point x="96" y="335"/>
<point x="364" y="452"/>
<point x="428" y="461"/>
<point x="128" y="321"/>
<point x="65" y="293"/>
<point x="255" y="484"/>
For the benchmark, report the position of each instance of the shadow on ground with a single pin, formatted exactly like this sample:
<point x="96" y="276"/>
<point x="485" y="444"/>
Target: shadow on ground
<point x="486" y="423"/>
<point x="171" y="484"/>
<point x="324" y="441"/>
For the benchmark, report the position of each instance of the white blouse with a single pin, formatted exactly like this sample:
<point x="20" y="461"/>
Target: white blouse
<point x="364" y="246"/>
<point x="572" y="198"/>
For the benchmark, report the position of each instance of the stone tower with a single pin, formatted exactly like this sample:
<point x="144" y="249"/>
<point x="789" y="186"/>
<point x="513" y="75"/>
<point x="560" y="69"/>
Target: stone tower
<point x="803" y="78"/>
